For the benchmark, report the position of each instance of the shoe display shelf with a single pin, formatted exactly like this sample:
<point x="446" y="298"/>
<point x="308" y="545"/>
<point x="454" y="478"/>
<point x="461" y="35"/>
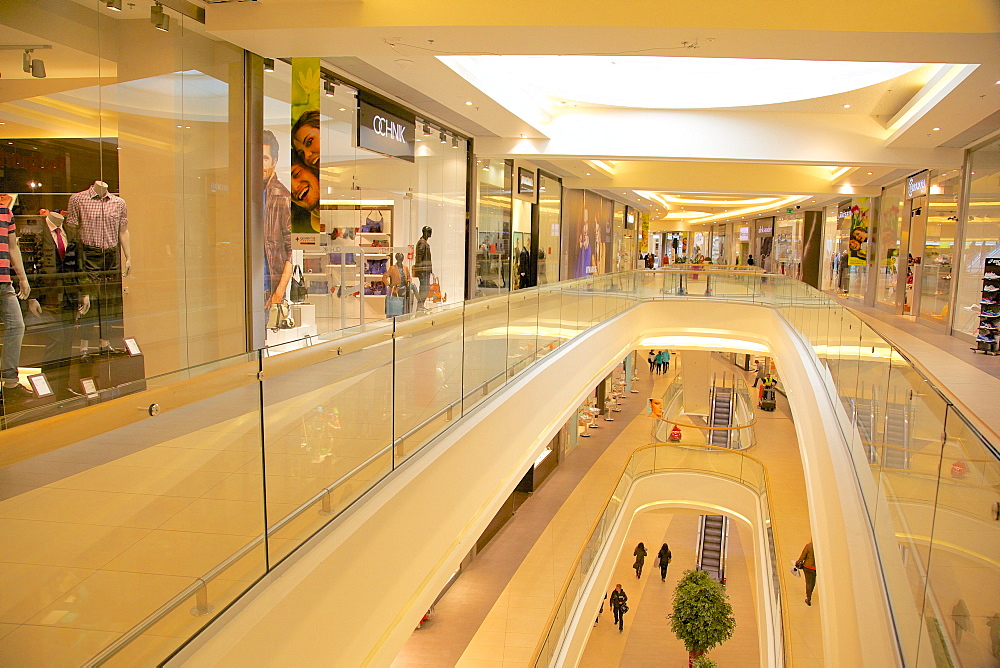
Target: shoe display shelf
<point x="989" y="312"/>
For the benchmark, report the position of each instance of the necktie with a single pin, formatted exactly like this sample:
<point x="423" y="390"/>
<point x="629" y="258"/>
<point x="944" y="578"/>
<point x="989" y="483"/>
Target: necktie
<point x="60" y="245"/>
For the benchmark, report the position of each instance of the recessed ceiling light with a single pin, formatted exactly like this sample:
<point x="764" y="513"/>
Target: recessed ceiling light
<point x="935" y="129"/>
<point x="847" y="106"/>
<point x="468" y="103"/>
<point x="869" y="173"/>
<point x="588" y="173"/>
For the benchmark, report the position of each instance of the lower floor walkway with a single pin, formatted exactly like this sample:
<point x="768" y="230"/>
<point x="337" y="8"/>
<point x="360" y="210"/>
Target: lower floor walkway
<point x="498" y="608"/>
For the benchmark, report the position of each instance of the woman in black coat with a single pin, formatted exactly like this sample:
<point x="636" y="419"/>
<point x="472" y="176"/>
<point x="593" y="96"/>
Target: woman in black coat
<point x="640" y="559"/>
<point x="664" y="558"/>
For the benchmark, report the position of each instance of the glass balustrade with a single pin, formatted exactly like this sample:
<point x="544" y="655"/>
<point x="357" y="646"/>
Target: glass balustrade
<point x="646" y="461"/>
<point x="132" y="522"/>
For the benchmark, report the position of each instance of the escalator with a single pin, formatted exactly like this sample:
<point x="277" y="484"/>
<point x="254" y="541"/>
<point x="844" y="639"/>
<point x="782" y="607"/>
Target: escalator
<point x="712" y="544"/>
<point x="721" y="416"/>
<point x="895" y="436"/>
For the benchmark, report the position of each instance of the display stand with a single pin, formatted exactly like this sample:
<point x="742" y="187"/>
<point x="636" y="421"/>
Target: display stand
<point x="989" y="310"/>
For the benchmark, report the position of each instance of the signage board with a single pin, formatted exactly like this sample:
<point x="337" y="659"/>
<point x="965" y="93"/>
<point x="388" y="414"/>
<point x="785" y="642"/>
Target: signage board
<point x="916" y="185"/>
<point x="384" y="132"/>
<point x="525" y="181"/>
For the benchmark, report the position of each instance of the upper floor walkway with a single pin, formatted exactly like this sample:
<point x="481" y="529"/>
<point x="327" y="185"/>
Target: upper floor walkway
<point x="250" y="457"/>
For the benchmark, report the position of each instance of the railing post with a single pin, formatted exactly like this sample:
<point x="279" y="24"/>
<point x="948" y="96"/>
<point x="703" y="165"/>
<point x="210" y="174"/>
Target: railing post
<point x="325" y="505"/>
<point x="201" y="605"/>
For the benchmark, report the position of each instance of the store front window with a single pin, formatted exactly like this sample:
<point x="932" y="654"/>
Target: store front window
<point x="981" y="238"/>
<point x="939" y="246"/>
<point x="788" y="245"/>
<point x="375" y="201"/>
<point x="124" y="175"/>
<point x="890" y="239"/>
<point x="493" y="227"/>
<point x="549" y="216"/>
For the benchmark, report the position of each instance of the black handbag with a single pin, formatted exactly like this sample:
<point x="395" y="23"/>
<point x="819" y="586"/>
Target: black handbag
<point x="297" y="293"/>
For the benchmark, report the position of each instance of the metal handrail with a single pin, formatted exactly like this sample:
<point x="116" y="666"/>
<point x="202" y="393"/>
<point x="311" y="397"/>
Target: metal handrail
<point x="360" y="340"/>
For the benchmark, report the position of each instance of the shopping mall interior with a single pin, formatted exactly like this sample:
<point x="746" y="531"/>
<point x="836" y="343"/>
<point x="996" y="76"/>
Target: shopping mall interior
<point x="581" y="334"/>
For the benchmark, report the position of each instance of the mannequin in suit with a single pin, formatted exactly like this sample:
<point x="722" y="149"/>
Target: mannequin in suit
<point x="58" y="298"/>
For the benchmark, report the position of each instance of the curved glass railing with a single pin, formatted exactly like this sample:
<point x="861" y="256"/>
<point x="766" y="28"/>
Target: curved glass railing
<point x="739" y="433"/>
<point x="188" y="491"/>
<point x="661" y="458"/>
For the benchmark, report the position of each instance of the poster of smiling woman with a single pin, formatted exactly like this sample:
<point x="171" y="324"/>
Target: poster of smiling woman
<point x="305" y="145"/>
<point x="857" y="242"/>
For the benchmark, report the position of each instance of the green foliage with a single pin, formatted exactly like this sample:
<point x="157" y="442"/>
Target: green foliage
<point x="702" y="616"/>
<point x="702" y="661"/>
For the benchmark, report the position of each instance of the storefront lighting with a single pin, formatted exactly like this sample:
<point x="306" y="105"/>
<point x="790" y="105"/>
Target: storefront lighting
<point x="114" y="5"/>
<point x="454" y="142"/>
<point x="444" y="138"/>
<point x="329" y="88"/>
<point x="269" y="64"/>
<point x="427" y="130"/>
<point x="159" y="18"/>
<point x="35" y="66"/>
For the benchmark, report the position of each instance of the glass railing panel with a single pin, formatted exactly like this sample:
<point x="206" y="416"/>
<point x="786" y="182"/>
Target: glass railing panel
<point x="327" y="411"/>
<point x="523" y="331"/>
<point x="484" y="349"/>
<point x="569" y="309"/>
<point x="960" y="610"/>
<point x="103" y="526"/>
<point x="908" y="484"/>
<point x="551" y="332"/>
<point x="881" y="423"/>
<point x="427" y="378"/>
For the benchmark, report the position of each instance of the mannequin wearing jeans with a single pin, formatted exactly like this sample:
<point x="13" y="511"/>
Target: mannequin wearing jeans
<point x="10" y="309"/>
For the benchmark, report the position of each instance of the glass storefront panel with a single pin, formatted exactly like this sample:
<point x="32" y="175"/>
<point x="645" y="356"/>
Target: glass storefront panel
<point x="939" y="245"/>
<point x="981" y="238"/>
<point x="549" y="217"/>
<point x="788" y="245"/>
<point x="128" y="203"/>
<point x="493" y="223"/>
<point x="890" y="238"/>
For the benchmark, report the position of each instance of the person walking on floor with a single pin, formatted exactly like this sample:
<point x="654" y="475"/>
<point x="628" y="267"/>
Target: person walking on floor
<point x="663" y="558"/>
<point x="652" y="361"/>
<point x="640" y="559"/>
<point x="618" y="607"/>
<point x="665" y="358"/>
<point x="807" y="564"/>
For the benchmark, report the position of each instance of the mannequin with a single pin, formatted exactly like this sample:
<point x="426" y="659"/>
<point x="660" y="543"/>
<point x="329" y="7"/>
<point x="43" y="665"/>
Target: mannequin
<point x="422" y="265"/>
<point x="57" y="300"/>
<point x="524" y="267"/>
<point x="10" y="310"/>
<point x="104" y="238"/>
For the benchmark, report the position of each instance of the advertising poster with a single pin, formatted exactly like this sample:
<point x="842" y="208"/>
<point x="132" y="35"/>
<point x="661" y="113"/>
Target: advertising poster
<point x="644" y="237"/>
<point x="587" y="229"/>
<point x="305" y="145"/>
<point x="857" y="242"/>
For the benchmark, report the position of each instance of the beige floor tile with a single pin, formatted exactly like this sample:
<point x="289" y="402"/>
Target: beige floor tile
<point x="5" y="630"/>
<point x="183" y="553"/>
<point x="189" y="459"/>
<point x="138" y="480"/>
<point x="110" y="601"/>
<point x="45" y="646"/>
<point x="242" y="518"/>
<point x="60" y="544"/>
<point x="78" y="506"/>
<point x="28" y="588"/>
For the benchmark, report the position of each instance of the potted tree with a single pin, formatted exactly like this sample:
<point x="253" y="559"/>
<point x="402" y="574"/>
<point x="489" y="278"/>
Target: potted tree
<point x="702" y="616"/>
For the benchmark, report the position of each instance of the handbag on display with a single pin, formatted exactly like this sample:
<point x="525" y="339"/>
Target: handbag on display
<point x="281" y="316"/>
<point x="393" y="306"/>
<point x="298" y="288"/>
<point x="434" y="291"/>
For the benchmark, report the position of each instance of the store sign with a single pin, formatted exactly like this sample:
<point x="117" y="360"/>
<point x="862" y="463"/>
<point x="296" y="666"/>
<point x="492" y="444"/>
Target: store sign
<point x="525" y="181"/>
<point x="764" y="229"/>
<point x="916" y="185"/>
<point x="385" y="133"/>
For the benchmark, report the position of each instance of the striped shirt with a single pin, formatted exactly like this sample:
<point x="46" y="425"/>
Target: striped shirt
<point x="6" y="229"/>
<point x="100" y="218"/>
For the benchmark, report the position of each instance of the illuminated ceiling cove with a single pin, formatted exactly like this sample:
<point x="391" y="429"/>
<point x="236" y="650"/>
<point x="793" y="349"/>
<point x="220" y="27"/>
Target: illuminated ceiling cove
<point x="655" y="82"/>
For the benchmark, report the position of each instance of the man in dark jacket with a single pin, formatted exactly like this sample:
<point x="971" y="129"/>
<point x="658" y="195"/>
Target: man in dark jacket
<point x="618" y="599"/>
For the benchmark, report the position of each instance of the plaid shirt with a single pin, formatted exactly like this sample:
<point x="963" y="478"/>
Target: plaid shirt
<point x="100" y="218"/>
<point x="6" y="228"/>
